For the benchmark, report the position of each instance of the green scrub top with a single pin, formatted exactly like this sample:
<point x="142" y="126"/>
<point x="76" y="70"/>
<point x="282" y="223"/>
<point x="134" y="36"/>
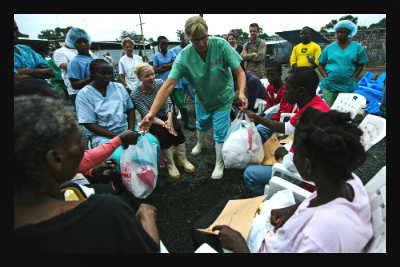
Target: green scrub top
<point x="340" y="65"/>
<point x="211" y="80"/>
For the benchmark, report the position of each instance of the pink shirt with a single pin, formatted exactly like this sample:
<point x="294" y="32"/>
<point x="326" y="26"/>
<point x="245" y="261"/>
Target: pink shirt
<point x="95" y="156"/>
<point x="338" y="226"/>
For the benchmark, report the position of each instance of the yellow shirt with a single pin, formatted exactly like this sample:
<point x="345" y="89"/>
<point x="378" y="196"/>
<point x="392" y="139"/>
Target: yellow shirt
<point x="301" y="51"/>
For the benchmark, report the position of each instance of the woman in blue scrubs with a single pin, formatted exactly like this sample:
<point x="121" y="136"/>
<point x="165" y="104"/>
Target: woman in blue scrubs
<point x="341" y="62"/>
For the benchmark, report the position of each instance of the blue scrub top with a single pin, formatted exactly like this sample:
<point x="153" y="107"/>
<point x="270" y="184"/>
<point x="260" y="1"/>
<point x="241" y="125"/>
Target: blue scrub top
<point x="160" y="60"/>
<point x="340" y="66"/>
<point x="109" y="112"/>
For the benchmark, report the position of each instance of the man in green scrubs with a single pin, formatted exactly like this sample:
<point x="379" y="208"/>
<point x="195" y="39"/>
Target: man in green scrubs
<point x="206" y="63"/>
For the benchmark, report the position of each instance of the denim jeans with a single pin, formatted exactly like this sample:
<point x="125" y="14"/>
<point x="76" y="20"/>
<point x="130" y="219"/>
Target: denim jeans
<point x="264" y="131"/>
<point x="257" y="176"/>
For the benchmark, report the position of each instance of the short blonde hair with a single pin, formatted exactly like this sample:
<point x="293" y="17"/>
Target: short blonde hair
<point x="194" y="26"/>
<point x="140" y="67"/>
<point x="127" y="40"/>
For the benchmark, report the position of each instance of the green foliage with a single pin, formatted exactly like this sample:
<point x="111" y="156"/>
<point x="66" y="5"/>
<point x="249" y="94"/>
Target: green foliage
<point x="380" y="24"/>
<point x="134" y="36"/>
<point x="329" y="26"/>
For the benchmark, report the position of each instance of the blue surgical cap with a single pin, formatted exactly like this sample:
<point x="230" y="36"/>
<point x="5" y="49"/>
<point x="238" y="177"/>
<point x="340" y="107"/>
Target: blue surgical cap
<point x="74" y="34"/>
<point x="347" y="24"/>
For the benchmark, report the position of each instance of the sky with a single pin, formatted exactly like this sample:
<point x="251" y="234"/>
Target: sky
<point x="108" y="27"/>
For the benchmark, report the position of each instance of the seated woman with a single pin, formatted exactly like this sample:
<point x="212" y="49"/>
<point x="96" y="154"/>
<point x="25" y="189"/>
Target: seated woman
<point x="335" y="218"/>
<point x="105" y="109"/>
<point x="165" y="125"/>
<point x="43" y="221"/>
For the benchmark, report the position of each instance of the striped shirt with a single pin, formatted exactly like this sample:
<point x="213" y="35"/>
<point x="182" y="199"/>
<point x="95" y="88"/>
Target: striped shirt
<point x="143" y="101"/>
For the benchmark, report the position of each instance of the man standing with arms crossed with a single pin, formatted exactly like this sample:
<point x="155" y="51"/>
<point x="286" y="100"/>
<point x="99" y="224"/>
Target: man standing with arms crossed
<point x="254" y="53"/>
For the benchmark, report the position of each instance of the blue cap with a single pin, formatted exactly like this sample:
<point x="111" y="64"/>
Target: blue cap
<point x="74" y="34"/>
<point x="347" y="24"/>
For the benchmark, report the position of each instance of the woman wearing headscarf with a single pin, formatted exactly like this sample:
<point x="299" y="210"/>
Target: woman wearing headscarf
<point x="341" y="62"/>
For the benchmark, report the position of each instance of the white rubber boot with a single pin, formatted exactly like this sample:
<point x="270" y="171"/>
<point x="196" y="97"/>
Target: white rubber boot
<point x="201" y="142"/>
<point x="219" y="162"/>
<point x="182" y="160"/>
<point x="169" y="156"/>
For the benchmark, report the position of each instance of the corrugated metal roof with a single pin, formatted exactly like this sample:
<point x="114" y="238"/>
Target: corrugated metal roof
<point x="294" y="36"/>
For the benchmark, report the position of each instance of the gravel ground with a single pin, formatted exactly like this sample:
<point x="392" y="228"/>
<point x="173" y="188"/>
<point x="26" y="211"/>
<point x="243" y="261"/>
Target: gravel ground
<point x="182" y="201"/>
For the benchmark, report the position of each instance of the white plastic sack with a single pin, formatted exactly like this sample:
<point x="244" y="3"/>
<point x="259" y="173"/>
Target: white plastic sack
<point x="262" y="221"/>
<point x="139" y="168"/>
<point x="242" y="145"/>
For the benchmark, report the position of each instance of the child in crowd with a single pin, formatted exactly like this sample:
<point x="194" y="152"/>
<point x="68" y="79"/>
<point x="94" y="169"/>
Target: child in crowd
<point x="275" y="96"/>
<point x="78" y="67"/>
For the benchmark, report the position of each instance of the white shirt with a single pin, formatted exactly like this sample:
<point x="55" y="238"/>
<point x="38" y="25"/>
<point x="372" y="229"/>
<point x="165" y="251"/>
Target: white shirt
<point x="61" y="56"/>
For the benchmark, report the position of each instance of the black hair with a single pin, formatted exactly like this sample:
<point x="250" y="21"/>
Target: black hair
<point x="96" y="62"/>
<point x="161" y="38"/>
<point x="275" y="65"/>
<point x="331" y="141"/>
<point x="308" y="28"/>
<point x="255" y="25"/>
<point x="305" y="77"/>
<point x="35" y="87"/>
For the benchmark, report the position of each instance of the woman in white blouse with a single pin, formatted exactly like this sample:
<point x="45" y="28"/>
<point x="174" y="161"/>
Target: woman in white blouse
<point x="127" y="65"/>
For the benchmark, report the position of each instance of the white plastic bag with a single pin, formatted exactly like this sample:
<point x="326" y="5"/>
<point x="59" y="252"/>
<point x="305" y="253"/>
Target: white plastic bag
<point x="262" y="221"/>
<point x="242" y="145"/>
<point x="139" y="168"/>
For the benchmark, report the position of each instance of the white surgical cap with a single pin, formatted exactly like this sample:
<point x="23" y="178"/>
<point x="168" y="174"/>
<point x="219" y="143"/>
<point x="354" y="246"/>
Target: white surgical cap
<point x="74" y="34"/>
<point x="347" y="24"/>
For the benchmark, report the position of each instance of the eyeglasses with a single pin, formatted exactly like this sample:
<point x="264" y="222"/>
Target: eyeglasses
<point x="203" y="39"/>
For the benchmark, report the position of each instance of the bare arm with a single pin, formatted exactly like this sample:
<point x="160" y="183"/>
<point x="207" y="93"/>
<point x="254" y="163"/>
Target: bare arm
<point x="79" y="84"/>
<point x="160" y="99"/>
<point x="42" y="73"/>
<point x="358" y="70"/>
<point x="241" y="80"/>
<point x="275" y="126"/>
<point x="147" y="215"/>
<point x="163" y="68"/>
<point x="321" y="69"/>
<point x="123" y="80"/>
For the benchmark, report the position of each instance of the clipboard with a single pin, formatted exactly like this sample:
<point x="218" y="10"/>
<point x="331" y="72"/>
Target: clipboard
<point x="237" y="214"/>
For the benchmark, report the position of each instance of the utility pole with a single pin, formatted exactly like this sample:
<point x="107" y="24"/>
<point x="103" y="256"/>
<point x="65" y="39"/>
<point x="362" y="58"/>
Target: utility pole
<point x="141" y="28"/>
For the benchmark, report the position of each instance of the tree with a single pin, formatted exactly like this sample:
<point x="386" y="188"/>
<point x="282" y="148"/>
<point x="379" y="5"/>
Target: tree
<point x="333" y="22"/>
<point x="179" y="34"/>
<point x="134" y="36"/>
<point x="380" y="24"/>
<point x="54" y="36"/>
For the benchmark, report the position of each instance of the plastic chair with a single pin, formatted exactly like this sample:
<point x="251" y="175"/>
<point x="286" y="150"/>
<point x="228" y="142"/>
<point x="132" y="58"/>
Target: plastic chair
<point x="264" y="82"/>
<point x="276" y="184"/>
<point x="286" y="115"/>
<point x="376" y="190"/>
<point x="374" y="130"/>
<point x="278" y="167"/>
<point x="260" y="105"/>
<point x="349" y="102"/>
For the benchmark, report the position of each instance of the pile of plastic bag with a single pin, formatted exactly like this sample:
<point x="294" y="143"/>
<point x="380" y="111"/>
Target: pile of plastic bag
<point x="242" y="145"/>
<point x="372" y="91"/>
